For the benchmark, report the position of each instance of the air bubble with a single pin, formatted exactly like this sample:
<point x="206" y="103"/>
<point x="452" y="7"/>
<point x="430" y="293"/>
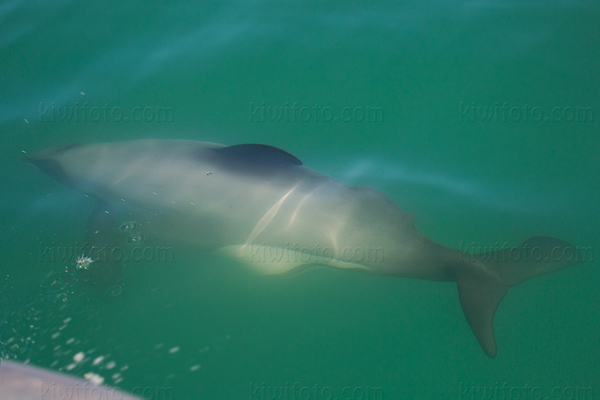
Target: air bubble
<point x="133" y="239"/>
<point x="127" y="226"/>
<point x="115" y="291"/>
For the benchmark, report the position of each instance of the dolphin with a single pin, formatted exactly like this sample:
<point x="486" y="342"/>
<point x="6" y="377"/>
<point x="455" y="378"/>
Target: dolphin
<point x="260" y="205"/>
<point x="25" y="382"/>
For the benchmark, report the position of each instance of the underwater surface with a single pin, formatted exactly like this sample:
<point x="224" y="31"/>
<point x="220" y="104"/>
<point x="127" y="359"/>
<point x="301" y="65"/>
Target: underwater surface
<point x="480" y="118"/>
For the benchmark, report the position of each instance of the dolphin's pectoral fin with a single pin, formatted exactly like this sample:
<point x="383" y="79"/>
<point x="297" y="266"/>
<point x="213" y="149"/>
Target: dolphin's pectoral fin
<point x="264" y="259"/>
<point x="268" y="260"/>
<point x="100" y="265"/>
<point x="479" y="297"/>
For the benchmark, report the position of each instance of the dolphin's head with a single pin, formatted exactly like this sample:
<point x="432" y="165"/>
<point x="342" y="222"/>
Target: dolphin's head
<point x="85" y="167"/>
<point x="55" y="162"/>
<point x="94" y="168"/>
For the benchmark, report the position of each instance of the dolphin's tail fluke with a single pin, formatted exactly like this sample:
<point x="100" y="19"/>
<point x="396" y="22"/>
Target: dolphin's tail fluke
<point x="481" y="290"/>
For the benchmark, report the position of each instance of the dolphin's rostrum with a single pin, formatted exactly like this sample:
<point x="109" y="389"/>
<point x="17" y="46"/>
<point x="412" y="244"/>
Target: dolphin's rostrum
<point x="261" y="205"/>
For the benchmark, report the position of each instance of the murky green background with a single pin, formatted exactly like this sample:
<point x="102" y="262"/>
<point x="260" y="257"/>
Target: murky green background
<point x="485" y="126"/>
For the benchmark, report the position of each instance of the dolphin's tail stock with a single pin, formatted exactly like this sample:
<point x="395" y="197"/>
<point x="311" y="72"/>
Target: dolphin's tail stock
<point x="481" y="290"/>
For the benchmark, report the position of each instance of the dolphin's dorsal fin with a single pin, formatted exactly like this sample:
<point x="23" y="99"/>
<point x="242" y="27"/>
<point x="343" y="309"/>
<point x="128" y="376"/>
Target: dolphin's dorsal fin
<point x="261" y="155"/>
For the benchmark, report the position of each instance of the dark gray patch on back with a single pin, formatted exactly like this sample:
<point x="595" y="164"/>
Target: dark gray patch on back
<point x="251" y="159"/>
<point x="260" y="154"/>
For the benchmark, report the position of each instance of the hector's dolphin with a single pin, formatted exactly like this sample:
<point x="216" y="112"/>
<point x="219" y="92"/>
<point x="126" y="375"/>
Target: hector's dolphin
<point x="261" y="205"/>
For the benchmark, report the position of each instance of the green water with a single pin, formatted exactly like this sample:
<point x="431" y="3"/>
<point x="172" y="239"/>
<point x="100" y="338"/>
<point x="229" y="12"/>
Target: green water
<point x="480" y="118"/>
